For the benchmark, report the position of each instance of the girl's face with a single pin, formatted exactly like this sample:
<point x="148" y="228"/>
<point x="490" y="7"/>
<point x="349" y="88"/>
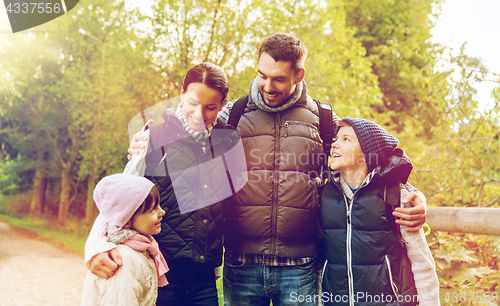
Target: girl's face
<point x="149" y="222"/>
<point x="201" y="105"/>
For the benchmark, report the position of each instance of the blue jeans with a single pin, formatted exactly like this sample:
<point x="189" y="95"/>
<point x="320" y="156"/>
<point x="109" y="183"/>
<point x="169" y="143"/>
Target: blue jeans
<point x="257" y="284"/>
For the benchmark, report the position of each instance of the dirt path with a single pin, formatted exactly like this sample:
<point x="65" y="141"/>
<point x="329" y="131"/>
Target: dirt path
<point x="33" y="272"/>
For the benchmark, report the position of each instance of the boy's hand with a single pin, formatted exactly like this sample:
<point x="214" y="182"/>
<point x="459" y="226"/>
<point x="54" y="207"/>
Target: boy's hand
<point x="134" y="144"/>
<point x="413" y="217"/>
<point x="104" y="265"/>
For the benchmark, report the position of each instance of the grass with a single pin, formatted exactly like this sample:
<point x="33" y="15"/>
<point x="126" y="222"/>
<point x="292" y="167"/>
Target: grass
<point x="218" y="283"/>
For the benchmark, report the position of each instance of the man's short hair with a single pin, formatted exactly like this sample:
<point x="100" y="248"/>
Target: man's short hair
<point x="285" y="47"/>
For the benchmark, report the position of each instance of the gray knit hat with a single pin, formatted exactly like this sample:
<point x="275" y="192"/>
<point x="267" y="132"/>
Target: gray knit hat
<point x="376" y="143"/>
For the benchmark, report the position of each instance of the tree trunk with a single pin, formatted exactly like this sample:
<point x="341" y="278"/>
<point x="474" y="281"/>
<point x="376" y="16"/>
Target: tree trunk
<point x="64" y="199"/>
<point x="39" y="185"/>
<point x="90" y="211"/>
<point x="66" y="166"/>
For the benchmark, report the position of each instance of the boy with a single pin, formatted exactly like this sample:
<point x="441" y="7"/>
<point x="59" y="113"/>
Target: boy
<point x="369" y="259"/>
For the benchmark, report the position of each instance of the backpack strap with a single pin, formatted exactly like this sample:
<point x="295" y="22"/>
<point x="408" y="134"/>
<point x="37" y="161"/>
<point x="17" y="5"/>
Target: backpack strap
<point x="325" y="124"/>
<point x="326" y="132"/>
<point x="325" y="119"/>
<point x="237" y="111"/>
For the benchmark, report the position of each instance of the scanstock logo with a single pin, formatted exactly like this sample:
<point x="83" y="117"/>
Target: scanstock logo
<point x="200" y="174"/>
<point x="27" y="14"/>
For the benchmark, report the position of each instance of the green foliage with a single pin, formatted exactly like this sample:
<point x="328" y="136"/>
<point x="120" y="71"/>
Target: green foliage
<point x="337" y="70"/>
<point x="188" y="32"/>
<point x="10" y="182"/>
<point x="68" y="92"/>
<point x="466" y="263"/>
<point x="396" y="36"/>
<point x="459" y="166"/>
<point x="71" y="97"/>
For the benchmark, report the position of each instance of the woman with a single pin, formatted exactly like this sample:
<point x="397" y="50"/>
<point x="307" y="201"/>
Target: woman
<point x="186" y="160"/>
<point x="185" y="165"/>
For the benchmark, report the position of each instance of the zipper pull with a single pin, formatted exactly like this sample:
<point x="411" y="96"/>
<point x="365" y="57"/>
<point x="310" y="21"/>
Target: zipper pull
<point x="348" y="218"/>
<point x="286" y="128"/>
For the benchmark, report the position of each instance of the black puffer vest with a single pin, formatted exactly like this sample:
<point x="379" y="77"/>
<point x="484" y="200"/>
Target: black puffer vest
<point x="277" y="211"/>
<point x="367" y="262"/>
<point x="186" y="175"/>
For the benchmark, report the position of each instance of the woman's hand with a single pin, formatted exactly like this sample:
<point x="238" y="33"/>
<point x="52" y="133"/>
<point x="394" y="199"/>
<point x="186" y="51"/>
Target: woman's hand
<point x="135" y="145"/>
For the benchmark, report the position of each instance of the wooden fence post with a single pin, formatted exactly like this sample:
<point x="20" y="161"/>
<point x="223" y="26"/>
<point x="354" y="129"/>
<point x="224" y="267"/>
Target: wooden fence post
<point x="473" y="220"/>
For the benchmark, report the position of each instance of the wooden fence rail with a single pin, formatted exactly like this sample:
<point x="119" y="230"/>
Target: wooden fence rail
<point x="473" y="220"/>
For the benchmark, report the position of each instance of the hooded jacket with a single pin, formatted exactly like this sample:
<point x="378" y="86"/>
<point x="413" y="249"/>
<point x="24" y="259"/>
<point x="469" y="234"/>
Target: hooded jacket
<point x="367" y="262"/>
<point x="134" y="284"/>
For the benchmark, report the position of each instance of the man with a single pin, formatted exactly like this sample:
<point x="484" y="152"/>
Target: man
<point x="272" y="224"/>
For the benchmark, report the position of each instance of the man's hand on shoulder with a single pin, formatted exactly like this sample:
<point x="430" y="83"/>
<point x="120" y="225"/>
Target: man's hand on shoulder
<point x="413" y="217"/>
<point x="104" y="265"/>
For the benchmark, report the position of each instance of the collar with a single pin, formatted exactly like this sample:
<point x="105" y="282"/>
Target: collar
<point x="338" y="179"/>
<point x="219" y="130"/>
<point x="300" y="94"/>
<point x="199" y="136"/>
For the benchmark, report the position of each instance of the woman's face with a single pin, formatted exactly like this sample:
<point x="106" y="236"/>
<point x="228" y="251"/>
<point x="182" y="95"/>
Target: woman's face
<point x="201" y="105"/>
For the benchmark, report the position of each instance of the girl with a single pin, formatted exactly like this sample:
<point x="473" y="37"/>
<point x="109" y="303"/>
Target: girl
<point x="130" y="207"/>
<point x="370" y="261"/>
<point x="186" y="159"/>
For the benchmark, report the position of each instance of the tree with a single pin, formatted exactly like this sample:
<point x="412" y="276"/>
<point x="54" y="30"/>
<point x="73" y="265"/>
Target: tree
<point x="25" y="120"/>
<point x="396" y="36"/>
<point x="116" y="70"/>
<point x="60" y="81"/>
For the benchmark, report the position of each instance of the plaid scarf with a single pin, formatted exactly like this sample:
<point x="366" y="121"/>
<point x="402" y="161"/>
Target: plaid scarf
<point x="199" y="136"/>
<point x="118" y="235"/>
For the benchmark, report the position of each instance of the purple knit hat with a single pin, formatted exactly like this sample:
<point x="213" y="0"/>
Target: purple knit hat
<point x="119" y="195"/>
<point x="376" y="143"/>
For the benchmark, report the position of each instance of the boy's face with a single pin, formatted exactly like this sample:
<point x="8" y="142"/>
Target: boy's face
<point x="346" y="152"/>
<point x="277" y="80"/>
<point x="149" y="222"/>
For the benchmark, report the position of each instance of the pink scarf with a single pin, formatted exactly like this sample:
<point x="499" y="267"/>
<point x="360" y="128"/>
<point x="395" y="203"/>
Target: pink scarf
<point x="142" y="243"/>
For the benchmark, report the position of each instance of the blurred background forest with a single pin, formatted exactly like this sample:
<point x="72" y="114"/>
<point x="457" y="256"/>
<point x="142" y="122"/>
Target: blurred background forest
<point x="67" y="96"/>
